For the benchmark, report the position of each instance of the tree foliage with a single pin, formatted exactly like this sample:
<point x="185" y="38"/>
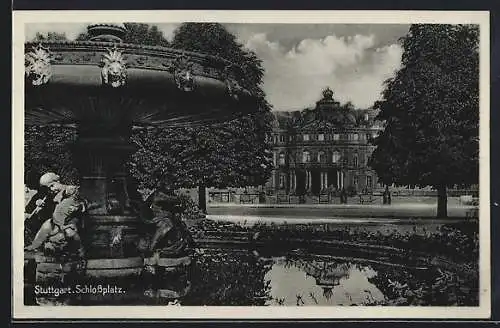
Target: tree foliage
<point x="48" y="149"/>
<point x="431" y="110"/>
<point x="50" y="36"/>
<point x="233" y="153"/>
<point x="138" y="33"/>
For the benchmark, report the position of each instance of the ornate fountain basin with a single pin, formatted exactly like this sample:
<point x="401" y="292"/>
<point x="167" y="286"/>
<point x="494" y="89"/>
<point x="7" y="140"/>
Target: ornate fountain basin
<point x="107" y="83"/>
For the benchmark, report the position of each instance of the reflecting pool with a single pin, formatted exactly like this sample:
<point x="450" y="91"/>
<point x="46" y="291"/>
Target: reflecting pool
<point x="245" y="278"/>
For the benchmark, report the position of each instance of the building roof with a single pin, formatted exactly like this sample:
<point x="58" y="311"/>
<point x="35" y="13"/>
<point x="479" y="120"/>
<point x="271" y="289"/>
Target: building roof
<point x="328" y="114"/>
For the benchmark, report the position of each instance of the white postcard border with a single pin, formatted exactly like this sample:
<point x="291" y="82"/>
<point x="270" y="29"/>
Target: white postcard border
<point x="20" y="311"/>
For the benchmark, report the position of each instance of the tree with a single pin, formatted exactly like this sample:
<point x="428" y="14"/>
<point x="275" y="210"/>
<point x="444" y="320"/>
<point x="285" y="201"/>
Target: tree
<point x="146" y="34"/>
<point x="49" y="149"/>
<point x="50" y="36"/>
<point x="138" y="33"/>
<point x="431" y="111"/>
<point x="244" y="157"/>
<point x="233" y="153"/>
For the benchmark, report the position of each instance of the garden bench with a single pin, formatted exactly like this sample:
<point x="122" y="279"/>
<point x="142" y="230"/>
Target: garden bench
<point x="283" y="199"/>
<point x="219" y="196"/>
<point x="249" y="198"/>
<point x="324" y="199"/>
<point x="469" y="200"/>
<point x="472" y="213"/>
<point x="366" y="198"/>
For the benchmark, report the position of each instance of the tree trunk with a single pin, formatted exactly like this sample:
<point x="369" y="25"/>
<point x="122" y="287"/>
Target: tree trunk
<point x="442" y="202"/>
<point x="202" y="199"/>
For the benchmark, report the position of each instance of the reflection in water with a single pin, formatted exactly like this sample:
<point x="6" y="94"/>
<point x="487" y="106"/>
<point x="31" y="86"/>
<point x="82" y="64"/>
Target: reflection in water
<point x="321" y="282"/>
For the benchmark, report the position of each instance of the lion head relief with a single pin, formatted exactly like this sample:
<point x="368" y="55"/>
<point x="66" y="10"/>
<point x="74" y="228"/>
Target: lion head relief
<point x="37" y="65"/>
<point x="114" y="70"/>
<point x="182" y="70"/>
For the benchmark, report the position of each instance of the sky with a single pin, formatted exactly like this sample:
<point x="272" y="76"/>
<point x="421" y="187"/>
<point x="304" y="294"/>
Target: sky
<point x="300" y="60"/>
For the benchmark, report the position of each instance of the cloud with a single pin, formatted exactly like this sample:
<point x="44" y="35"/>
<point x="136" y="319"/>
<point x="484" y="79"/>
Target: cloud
<point x="351" y="65"/>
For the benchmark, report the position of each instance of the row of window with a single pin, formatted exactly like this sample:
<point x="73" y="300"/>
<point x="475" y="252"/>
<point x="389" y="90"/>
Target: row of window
<point x="355" y="182"/>
<point x="328" y="137"/>
<point x="321" y="158"/>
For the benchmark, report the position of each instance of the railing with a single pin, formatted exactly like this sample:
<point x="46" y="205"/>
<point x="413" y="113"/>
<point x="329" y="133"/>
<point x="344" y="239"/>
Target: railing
<point x="367" y="198"/>
<point x="289" y="199"/>
<point x="279" y="196"/>
<point x="431" y="193"/>
<point x="249" y="198"/>
<point x="219" y="196"/>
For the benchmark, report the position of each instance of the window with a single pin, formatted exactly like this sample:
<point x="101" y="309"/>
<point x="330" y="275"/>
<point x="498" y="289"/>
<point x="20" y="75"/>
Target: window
<point x="306" y="137"/>
<point x="282" y="138"/>
<point x="321" y="157"/>
<point x="362" y="160"/>
<point x="355" y="181"/>
<point x="306" y="157"/>
<point x="369" y="182"/>
<point x="354" y="136"/>
<point x="366" y="117"/>
<point x="282" y="159"/>
<point x="290" y="138"/>
<point x="362" y="136"/>
<point x="282" y="181"/>
<point x="355" y="161"/>
<point x="321" y="137"/>
<point x="274" y="158"/>
<point x="336" y="137"/>
<point x="335" y="157"/>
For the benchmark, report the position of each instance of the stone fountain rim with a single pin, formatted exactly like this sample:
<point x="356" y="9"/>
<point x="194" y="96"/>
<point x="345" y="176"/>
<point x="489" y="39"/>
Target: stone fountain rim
<point x="133" y="46"/>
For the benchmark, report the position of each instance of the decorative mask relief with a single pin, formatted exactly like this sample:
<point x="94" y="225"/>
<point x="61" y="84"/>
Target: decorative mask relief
<point x="37" y="65"/>
<point x="114" y="71"/>
<point x="183" y="73"/>
<point x="233" y="87"/>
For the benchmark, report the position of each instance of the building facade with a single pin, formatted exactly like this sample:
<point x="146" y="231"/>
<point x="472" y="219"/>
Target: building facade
<point x="324" y="149"/>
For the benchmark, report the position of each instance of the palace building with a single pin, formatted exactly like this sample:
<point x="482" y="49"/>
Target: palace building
<point x="324" y="149"/>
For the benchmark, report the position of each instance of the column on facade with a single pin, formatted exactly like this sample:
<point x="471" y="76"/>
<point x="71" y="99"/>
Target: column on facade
<point x="308" y="180"/>
<point x="291" y="181"/>
<point x="294" y="181"/>
<point x="338" y="179"/>
<point x="324" y="180"/>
